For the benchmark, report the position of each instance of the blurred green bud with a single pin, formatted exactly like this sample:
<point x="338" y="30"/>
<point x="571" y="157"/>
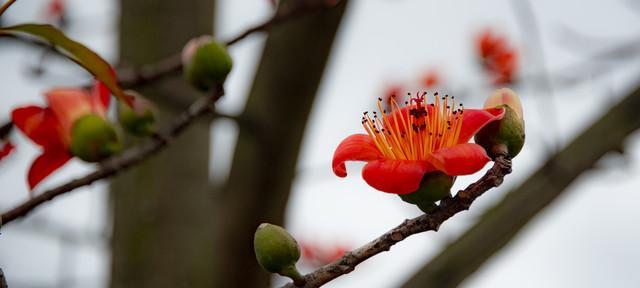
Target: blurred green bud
<point x="140" y="119"/>
<point x="206" y="62"/>
<point x="277" y="251"/>
<point x="434" y="187"/>
<point x="507" y="133"/>
<point x="93" y="138"/>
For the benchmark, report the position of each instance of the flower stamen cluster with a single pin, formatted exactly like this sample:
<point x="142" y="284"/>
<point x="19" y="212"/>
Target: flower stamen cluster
<point x="418" y="129"/>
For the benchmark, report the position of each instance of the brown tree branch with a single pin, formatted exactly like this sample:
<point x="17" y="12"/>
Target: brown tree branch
<point x="118" y="163"/>
<point x="133" y="77"/>
<point x="428" y="222"/>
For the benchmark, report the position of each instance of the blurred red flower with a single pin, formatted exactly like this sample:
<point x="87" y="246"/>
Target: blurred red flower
<point x="317" y="255"/>
<point x="499" y="59"/>
<point x="56" y="13"/>
<point x="431" y="79"/>
<point x="402" y="146"/>
<point x="50" y="127"/>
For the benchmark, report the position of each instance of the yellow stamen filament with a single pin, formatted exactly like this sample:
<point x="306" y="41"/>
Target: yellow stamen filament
<point x="417" y="131"/>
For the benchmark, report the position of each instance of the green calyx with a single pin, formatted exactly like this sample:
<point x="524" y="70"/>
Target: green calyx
<point x="93" y="139"/>
<point x="140" y="121"/>
<point x="506" y="133"/>
<point x="277" y="251"/>
<point x="434" y="187"/>
<point x="208" y="66"/>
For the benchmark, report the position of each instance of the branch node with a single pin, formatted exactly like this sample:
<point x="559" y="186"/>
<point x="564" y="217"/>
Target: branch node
<point x="397" y="236"/>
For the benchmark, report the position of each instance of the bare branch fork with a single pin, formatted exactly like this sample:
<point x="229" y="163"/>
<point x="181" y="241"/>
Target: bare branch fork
<point x="428" y="222"/>
<point x="137" y="154"/>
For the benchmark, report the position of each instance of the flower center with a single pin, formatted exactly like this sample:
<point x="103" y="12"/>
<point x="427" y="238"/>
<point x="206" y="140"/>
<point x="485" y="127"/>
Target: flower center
<point x="416" y="130"/>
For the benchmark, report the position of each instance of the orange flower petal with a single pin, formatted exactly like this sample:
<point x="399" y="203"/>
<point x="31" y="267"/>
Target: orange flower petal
<point x="46" y="164"/>
<point x="474" y="119"/>
<point x="68" y="105"/>
<point x="357" y="147"/>
<point x="461" y="159"/>
<point x="395" y="176"/>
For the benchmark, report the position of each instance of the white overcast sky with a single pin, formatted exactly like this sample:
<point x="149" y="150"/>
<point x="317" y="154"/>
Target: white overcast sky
<point x="586" y="239"/>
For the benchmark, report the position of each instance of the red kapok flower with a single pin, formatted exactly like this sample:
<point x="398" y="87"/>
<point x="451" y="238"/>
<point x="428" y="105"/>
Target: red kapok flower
<point x="402" y="146"/>
<point x="50" y="127"/>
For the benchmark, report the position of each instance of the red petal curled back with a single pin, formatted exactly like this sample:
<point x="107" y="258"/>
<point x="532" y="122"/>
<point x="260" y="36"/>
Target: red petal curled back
<point x="357" y="147"/>
<point x="45" y="164"/>
<point x="39" y="124"/>
<point x="461" y="159"/>
<point x="395" y="176"/>
<point x="474" y="119"/>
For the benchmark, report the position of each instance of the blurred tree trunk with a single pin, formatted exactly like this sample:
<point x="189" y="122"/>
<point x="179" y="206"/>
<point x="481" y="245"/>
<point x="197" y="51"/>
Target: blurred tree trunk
<point x="284" y="88"/>
<point x="162" y="208"/>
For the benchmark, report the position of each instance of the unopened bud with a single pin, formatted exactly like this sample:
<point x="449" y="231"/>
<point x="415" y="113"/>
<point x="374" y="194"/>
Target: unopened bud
<point x="507" y="134"/>
<point x="140" y="119"/>
<point x="206" y="62"/>
<point x="434" y="187"/>
<point x="93" y="138"/>
<point x="277" y="251"/>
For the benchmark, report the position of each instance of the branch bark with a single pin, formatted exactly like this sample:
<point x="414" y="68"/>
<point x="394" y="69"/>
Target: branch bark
<point x="501" y="224"/>
<point x="428" y="222"/>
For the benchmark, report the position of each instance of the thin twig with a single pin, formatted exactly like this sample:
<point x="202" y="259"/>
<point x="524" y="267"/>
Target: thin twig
<point x="6" y="6"/>
<point x="428" y="222"/>
<point x="116" y="164"/>
<point x="133" y="77"/>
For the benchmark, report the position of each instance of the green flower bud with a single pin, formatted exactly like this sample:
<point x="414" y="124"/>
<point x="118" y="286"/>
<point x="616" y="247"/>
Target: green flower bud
<point x="277" y="251"/>
<point x="93" y="138"/>
<point x="139" y="120"/>
<point x="434" y="187"/>
<point x="506" y="134"/>
<point x="206" y="63"/>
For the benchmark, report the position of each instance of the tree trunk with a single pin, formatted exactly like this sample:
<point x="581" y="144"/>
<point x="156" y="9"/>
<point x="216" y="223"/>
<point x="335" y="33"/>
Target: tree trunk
<point x="263" y="167"/>
<point x="162" y="208"/>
